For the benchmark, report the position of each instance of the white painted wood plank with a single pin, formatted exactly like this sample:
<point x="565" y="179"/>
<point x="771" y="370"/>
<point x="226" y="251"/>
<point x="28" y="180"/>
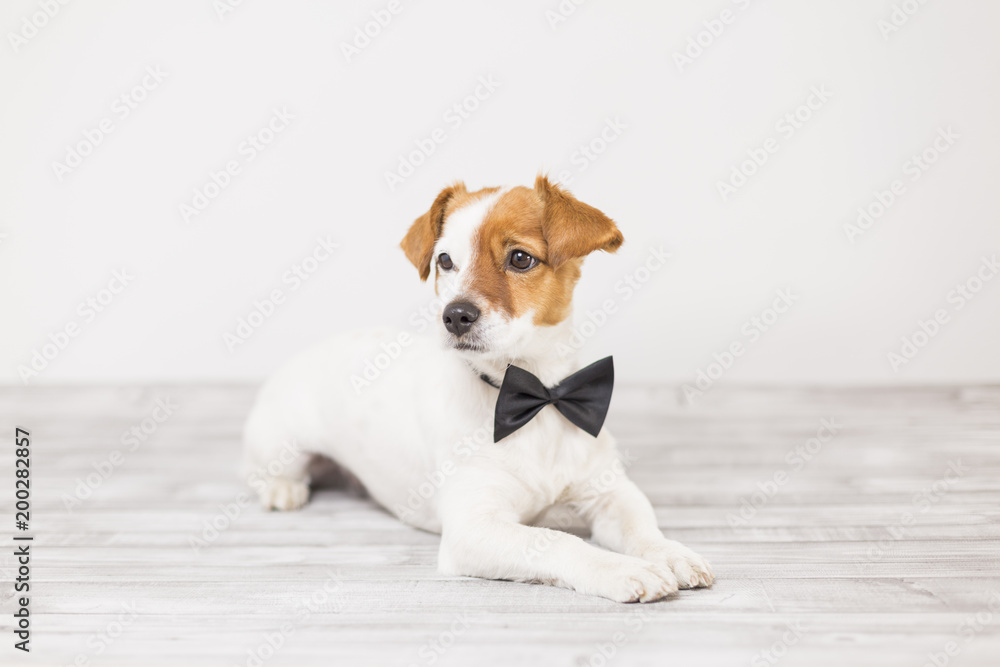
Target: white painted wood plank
<point x="805" y="556"/>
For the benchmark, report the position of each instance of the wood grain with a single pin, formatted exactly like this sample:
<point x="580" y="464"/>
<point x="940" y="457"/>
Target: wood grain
<point x="827" y="552"/>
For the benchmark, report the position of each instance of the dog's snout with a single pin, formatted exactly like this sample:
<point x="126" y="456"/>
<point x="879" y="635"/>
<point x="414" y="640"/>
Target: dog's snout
<point x="459" y="316"/>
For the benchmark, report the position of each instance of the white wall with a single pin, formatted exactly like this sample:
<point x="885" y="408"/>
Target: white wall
<point x="324" y="175"/>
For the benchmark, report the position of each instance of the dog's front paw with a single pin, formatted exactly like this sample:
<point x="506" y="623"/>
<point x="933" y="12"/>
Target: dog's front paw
<point x="632" y="580"/>
<point x="691" y="570"/>
<point x="281" y="493"/>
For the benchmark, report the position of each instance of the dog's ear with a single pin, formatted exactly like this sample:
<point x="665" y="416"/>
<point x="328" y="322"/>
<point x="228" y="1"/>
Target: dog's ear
<point x="572" y="228"/>
<point x="418" y="244"/>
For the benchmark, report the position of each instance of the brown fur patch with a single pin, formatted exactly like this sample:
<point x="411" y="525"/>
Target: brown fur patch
<point x="418" y="244"/>
<point x="547" y="222"/>
<point x="572" y="228"/>
<point x="551" y="225"/>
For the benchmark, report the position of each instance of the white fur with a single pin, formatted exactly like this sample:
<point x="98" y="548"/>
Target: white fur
<point x="420" y="438"/>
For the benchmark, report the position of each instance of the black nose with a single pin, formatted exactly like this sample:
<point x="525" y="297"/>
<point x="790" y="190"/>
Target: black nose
<point x="458" y="317"/>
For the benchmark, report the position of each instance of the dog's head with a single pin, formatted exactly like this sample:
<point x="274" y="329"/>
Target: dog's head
<point x="505" y="261"/>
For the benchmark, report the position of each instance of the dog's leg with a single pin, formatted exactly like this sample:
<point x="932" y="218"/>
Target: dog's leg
<point x="489" y="541"/>
<point x="284" y="493"/>
<point x="275" y="467"/>
<point x="621" y="518"/>
<point x="287" y="489"/>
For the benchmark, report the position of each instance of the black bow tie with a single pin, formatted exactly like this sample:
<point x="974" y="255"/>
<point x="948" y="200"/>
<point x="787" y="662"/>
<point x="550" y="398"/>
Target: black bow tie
<point x="583" y="398"/>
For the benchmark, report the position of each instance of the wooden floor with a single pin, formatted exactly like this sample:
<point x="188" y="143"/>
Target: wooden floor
<point x="872" y="552"/>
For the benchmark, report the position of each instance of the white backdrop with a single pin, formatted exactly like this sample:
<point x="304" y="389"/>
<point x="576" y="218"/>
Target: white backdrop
<point x="115" y="114"/>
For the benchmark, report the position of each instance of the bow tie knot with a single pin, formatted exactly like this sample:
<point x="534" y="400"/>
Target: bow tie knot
<point x="583" y="398"/>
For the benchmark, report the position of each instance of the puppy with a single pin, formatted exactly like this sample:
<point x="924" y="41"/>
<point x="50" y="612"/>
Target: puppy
<point x="419" y="436"/>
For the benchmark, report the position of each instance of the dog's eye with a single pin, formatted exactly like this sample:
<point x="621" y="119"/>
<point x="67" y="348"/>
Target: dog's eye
<point x="521" y="260"/>
<point x="444" y="261"/>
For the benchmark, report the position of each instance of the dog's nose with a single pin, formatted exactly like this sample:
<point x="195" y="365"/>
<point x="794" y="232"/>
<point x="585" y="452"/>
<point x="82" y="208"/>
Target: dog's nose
<point x="458" y="317"/>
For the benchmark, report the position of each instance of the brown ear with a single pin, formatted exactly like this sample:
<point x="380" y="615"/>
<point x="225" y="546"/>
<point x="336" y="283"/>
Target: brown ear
<point x="572" y="228"/>
<point x="418" y="244"/>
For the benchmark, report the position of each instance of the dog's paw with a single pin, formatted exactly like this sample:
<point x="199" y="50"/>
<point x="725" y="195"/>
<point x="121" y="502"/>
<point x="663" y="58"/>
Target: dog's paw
<point x="632" y="580"/>
<point x="691" y="570"/>
<point x="284" y="494"/>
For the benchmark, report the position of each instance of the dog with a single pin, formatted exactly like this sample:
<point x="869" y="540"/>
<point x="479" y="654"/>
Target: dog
<point x="505" y="261"/>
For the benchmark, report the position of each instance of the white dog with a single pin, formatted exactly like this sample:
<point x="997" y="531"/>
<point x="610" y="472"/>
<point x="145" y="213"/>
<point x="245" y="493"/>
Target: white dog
<point x="510" y="259"/>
